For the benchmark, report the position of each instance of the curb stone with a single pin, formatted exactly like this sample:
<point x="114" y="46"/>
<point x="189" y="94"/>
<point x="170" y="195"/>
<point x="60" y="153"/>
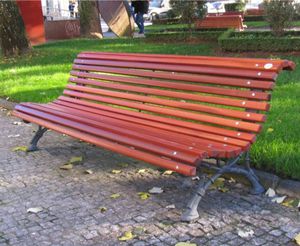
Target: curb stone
<point x="268" y="180"/>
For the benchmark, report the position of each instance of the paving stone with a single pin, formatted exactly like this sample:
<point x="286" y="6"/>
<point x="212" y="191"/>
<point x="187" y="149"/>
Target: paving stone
<point x="71" y="200"/>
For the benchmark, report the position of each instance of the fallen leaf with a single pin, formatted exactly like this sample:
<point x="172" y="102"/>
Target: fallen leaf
<point x="167" y="172"/>
<point x="218" y="184"/>
<point x="141" y="171"/>
<point x="116" y="171"/>
<point x="156" y="190"/>
<point x="122" y="164"/>
<point x="172" y="206"/>
<point x="223" y="189"/>
<point x="232" y="180"/>
<point x="114" y="196"/>
<point x="244" y="234"/>
<point x="34" y="210"/>
<point x="103" y="209"/>
<point x="88" y="171"/>
<point x="66" y="166"/>
<point x="185" y="244"/>
<point x="270" y="192"/>
<point x="297" y="239"/>
<point x="288" y="203"/>
<point x="278" y="199"/>
<point x="75" y="159"/>
<point x="270" y="129"/>
<point x="20" y="148"/>
<point x="143" y="195"/>
<point x="126" y="236"/>
<point x="139" y="230"/>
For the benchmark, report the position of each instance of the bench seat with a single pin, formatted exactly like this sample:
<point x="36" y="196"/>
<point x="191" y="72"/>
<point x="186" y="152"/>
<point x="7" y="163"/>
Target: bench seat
<point x="167" y="110"/>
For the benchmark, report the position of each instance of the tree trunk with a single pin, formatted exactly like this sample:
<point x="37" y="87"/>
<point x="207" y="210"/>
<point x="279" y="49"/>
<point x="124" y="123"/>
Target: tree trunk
<point x="90" y="25"/>
<point x="13" y="40"/>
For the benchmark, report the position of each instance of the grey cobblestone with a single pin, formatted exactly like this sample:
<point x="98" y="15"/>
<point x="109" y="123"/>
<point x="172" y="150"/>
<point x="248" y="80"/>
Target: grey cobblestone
<point x="71" y="200"/>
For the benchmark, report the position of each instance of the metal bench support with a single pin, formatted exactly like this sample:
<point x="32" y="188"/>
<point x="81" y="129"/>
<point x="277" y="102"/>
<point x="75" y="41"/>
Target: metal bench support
<point x="36" y="138"/>
<point x="191" y="212"/>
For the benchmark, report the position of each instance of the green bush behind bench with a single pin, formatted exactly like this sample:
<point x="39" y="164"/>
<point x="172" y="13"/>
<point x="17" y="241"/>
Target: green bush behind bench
<point x="259" y="41"/>
<point x="180" y="35"/>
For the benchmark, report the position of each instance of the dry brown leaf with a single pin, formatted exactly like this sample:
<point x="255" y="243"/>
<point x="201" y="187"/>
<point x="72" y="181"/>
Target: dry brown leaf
<point x="167" y="172"/>
<point x="66" y="166"/>
<point x="88" y="171"/>
<point x="297" y="239"/>
<point x="114" y="196"/>
<point x="143" y="195"/>
<point x="75" y="159"/>
<point x="116" y="171"/>
<point x="102" y="209"/>
<point x="126" y="236"/>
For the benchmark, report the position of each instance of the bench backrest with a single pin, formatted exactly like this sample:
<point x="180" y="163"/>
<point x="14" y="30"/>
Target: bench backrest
<point x="208" y="96"/>
<point x="228" y="13"/>
<point x="223" y="21"/>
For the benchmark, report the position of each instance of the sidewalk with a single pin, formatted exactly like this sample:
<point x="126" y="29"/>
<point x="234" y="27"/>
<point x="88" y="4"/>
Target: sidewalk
<point x="70" y="200"/>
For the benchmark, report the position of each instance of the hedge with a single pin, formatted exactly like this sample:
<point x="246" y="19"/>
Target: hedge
<point x="259" y="41"/>
<point x="181" y="36"/>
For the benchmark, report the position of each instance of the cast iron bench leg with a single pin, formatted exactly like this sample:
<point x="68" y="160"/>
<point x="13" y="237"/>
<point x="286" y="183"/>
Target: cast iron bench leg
<point x="36" y="138"/>
<point x="191" y="212"/>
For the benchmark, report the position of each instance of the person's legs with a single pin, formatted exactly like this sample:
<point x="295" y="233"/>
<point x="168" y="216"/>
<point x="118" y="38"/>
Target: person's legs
<point x="140" y="22"/>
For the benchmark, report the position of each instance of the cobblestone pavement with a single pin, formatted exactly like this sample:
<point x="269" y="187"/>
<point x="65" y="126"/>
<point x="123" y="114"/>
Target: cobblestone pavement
<point x="71" y="199"/>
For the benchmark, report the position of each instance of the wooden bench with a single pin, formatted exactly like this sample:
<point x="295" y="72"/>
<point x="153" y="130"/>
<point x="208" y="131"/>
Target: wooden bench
<point x="227" y="13"/>
<point x="222" y="21"/>
<point x="171" y="111"/>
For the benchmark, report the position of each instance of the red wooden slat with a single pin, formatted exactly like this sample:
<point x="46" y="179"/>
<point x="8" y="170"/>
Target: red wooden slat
<point x="149" y="127"/>
<point x="90" y="138"/>
<point x="179" y="141"/>
<point x="284" y="64"/>
<point x="206" y="79"/>
<point x="179" y="61"/>
<point x="230" y="72"/>
<point x="177" y="85"/>
<point x="122" y="130"/>
<point x="172" y="112"/>
<point x="78" y="124"/>
<point x="197" y="129"/>
<point x="179" y="95"/>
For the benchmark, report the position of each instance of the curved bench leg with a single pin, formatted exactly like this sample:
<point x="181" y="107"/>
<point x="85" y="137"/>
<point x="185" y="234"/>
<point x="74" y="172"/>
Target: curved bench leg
<point x="191" y="212"/>
<point x="34" y="141"/>
<point x="257" y="188"/>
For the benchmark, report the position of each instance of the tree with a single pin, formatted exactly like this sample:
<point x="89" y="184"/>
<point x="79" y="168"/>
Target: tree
<point x="188" y="11"/>
<point x="279" y="14"/>
<point x="90" y="25"/>
<point x="13" y="40"/>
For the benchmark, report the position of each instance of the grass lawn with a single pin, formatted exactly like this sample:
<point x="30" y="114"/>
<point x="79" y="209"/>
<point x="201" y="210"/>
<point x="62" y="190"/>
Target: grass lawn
<point x="42" y="75"/>
<point x="258" y="24"/>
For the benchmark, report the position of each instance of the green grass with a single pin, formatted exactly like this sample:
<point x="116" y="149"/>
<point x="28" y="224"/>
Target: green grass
<point x="258" y="24"/>
<point x="42" y="75"/>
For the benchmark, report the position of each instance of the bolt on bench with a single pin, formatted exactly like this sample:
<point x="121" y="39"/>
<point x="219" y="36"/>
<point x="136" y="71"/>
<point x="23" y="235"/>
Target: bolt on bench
<point x="168" y="110"/>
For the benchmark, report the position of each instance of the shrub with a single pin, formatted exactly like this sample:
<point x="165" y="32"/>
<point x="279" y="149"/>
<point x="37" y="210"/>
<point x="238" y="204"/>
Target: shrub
<point x="239" y="5"/>
<point x="259" y="41"/>
<point x="279" y="14"/>
<point x="181" y="35"/>
<point x="189" y="10"/>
